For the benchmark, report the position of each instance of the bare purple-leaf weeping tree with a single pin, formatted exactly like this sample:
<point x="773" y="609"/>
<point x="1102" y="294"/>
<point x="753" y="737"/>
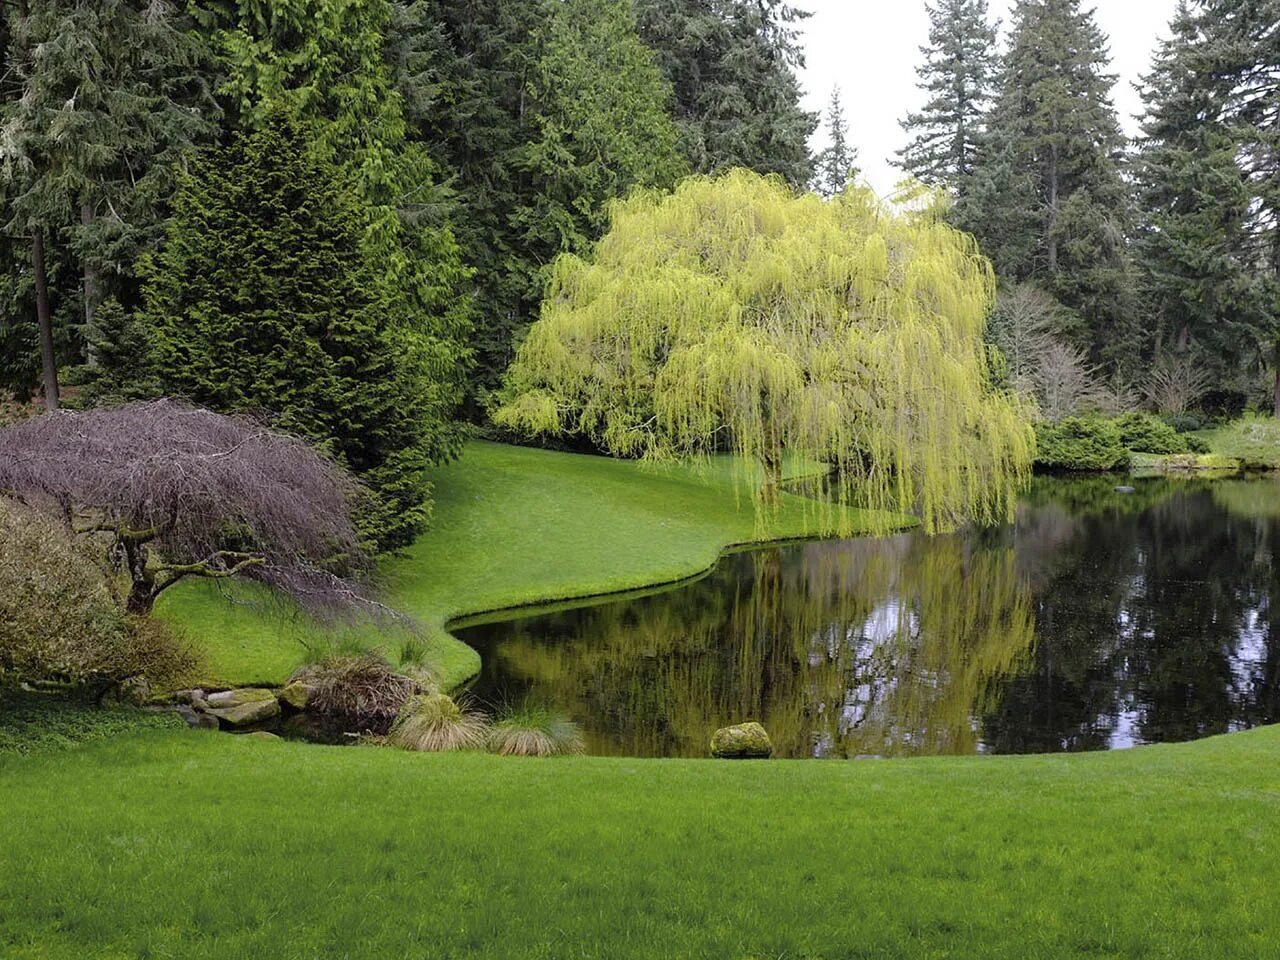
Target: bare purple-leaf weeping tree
<point x="179" y="492"/>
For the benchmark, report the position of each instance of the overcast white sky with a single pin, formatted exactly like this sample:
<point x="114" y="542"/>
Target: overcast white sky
<point x="870" y="49"/>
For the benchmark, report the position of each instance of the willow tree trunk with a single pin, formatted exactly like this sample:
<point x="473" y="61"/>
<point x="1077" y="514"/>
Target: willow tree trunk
<point x="44" y="321"/>
<point x="771" y="459"/>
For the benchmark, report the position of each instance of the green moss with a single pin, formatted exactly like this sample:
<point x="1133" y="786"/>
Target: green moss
<point x="741" y="741"/>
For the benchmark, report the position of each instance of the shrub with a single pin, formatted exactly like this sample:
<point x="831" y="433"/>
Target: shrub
<point x="534" y="730"/>
<point x="363" y="692"/>
<point x="434" y="722"/>
<point x="1080" y="443"/>
<point x="59" y="618"/>
<point x="1185" y="422"/>
<point x="1149" y="434"/>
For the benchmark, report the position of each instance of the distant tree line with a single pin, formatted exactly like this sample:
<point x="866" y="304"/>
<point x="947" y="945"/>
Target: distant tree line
<point x="344" y="212"/>
<point x="1126" y="267"/>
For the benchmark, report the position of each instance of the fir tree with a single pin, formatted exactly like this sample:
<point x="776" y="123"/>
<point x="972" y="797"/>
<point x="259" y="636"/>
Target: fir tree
<point x="958" y="74"/>
<point x="1054" y="121"/>
<point x="105" y="97"/>
<point x="835" y="164"/>
<point x="1242" y="47"/>
<point x="732" y="65"/>
<point x="1194" y="203"/>
<point x="263" y="297"/>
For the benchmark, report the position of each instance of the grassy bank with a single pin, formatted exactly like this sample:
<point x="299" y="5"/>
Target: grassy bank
<point x="194" y="843"/>
<point x="1253" y="440"/>
<point x="513" y="526"/>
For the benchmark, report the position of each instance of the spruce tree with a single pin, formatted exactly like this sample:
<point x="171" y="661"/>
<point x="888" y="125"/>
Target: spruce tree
<point x="1202" y="291"/>
<point x="1053" y="120"/>
<point x="263" y="297"/>
<point x="732" y="65"/>
<point x="958" y="74"/>
<point x="835" y="164"/>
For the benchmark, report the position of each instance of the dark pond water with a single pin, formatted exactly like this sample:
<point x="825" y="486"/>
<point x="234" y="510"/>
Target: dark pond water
<point x="1097" y="620"/>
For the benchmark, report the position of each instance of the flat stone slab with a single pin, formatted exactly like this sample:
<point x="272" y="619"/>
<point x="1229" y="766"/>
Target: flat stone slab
<point x="244" y="707"/>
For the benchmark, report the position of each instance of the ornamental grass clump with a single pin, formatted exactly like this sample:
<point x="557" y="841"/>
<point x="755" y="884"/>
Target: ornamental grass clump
<point x="362" y="692"/>
<point x="534" y="730"/>
<point x="734" y="314"/>
<point x="434" y="722"/>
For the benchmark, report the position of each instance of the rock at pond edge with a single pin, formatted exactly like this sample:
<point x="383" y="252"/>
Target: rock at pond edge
<point x="296" y="695"/>
<point x="242" y="708"/>
<point x="742" y="741"/>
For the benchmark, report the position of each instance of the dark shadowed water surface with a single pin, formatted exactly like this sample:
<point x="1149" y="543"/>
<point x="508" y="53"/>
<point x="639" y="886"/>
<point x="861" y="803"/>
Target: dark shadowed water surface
<point x="1097" y="620"/>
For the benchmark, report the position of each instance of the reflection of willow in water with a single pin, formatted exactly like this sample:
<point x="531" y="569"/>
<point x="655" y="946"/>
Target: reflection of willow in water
<point x="869" y="647"/>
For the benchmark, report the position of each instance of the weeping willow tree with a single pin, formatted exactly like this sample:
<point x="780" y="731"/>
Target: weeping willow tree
<point x="735" y="315"/>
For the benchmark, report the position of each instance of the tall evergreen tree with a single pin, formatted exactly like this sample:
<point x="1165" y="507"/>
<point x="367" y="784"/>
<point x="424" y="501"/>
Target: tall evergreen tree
<point x="331" y="61"/>
<point x="835" y="163"/>
<point x="1194" y="203"/>
<point x="958" y="74"/>
<point x="541" y="112"/>
<point x="732" y="65"/>
<point x="264" y="297"/>
<point x="1243" y="50"/>
<point x="1054" y="121"/>
<point x="104" y="96"/>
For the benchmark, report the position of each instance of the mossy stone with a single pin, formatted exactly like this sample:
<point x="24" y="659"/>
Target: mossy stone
<point x="742" y="741"/>
<point x="296" y="695"/>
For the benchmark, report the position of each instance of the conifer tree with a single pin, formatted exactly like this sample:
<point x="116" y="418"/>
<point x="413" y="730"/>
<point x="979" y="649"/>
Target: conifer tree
<point x="1243" y="49"/>
<point x="835" y="164"/>
<point x="547" y="110"/>
<point x="263" y="297"/>
<point x="1053" y="121"/>
<point x="958" y="74"/>
<point x="104" y="97"/>
<point x="329" y="61"/>
<point x="732" y="65"/>
<point x="1194" y="202"/>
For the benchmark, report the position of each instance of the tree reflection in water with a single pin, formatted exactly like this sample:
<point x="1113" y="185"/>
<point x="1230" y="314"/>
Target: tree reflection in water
<point x="1096" y="620"/>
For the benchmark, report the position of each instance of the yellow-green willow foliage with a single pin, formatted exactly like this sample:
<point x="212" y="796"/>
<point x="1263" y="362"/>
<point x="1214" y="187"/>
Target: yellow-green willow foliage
<point x="734" y="314"/>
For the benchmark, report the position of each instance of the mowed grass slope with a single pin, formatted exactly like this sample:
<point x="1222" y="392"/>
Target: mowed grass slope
<point x="200" y="844"/>
<point x="513" y="526"/>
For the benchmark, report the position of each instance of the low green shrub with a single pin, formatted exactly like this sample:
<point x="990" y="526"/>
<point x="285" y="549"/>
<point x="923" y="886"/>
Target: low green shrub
<point x="1080" y="443"/>
<point x="534" y="730"/>
<point x="1197" y="444"/>
<point x="37" y="722"/>
<point x="433" y="722"/>
<point x="60" y="619"/>
<point x="1185" y="422"/>
<point x="1149" y="434"/>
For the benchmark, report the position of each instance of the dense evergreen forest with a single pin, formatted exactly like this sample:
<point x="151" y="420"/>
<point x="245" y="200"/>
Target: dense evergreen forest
<point x="346" y="211"/>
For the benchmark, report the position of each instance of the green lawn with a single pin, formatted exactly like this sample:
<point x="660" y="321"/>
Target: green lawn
<point x="181" y="844"/>
<point x="1254" y="440"/>
<point x="513" y="526"/>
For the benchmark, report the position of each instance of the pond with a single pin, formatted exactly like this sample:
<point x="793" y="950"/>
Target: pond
<point x="1098" y="619"/>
